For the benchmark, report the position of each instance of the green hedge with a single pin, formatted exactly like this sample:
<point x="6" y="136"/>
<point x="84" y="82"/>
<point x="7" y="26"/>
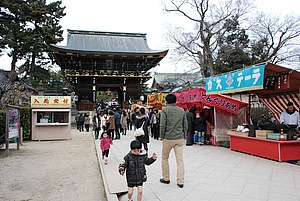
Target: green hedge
<point x="2" y="125"/>
<point x="25" y="121"/>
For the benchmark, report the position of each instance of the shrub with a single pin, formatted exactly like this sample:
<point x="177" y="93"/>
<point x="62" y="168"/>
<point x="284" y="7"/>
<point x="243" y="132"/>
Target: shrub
<point x="25" y="122"/>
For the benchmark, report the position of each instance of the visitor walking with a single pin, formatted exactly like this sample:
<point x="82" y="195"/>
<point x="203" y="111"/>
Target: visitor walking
<point x="111" y="124"/>
<point x="105" y="142"/>
<point x="96" y="125"/>
<point x="155" y="119"/>
<point x="124" y="122"/>
<point x="134" y="166"/>
<point x="87" y="122"/>
<point x="117" y="119"/>
<point x="173" y="128"/>
<point x="143" y="120"/>
<point x="81" y="122"/>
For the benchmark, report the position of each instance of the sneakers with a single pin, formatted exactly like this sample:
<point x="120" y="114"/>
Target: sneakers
<point x="105" y="161"/>
<point x="102" y="157"/>
<point x="180" y="185"/>
<point x="164" y="181"/>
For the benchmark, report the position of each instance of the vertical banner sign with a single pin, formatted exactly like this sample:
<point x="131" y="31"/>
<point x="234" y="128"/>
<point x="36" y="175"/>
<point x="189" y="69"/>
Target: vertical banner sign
<point x="162" y="99"/>
<point x="248" y="79"/>
<point x="13" y="123"/>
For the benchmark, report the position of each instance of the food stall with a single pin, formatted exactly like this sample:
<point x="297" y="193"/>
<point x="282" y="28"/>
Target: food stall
<point x="51" y="117"/>
<point x="156" y="100"/>
<point x="275" y="86"/>
<point x="224" y="112"/>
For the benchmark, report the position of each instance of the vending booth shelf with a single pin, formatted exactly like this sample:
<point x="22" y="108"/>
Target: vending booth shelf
<point x="52" y="124"/>
<point x="266" y="148"/>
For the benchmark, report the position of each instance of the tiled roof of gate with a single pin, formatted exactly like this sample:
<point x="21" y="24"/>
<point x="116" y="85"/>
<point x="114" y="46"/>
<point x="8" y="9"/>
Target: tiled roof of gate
<point x="114" y="42"/>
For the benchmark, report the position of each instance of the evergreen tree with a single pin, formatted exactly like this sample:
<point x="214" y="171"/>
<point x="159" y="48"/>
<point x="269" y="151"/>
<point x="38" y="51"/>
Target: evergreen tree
<point x="13" y="25"/>
<point x="30" y="26"/>
<point x="233" y="53"/>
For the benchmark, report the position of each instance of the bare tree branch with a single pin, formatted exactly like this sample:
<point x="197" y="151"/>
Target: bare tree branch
<point x="202" y="43"/>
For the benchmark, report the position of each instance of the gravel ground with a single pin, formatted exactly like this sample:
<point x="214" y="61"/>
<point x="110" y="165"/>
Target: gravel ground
<point x="52" y="170"/>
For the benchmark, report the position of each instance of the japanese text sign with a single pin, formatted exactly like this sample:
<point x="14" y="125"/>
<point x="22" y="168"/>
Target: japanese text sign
<point x="242" y="80"/>
<point x="152" y="98"/>
<point x="50" y="101"/>
<point x="220" y="101"/>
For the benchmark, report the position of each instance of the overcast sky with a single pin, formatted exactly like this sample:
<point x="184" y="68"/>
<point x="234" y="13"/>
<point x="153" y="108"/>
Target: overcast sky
<point x="137" y="16"/>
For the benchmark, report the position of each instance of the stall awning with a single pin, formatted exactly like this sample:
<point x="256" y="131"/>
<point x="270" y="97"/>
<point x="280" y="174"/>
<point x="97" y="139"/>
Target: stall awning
<point x="277" y="104"/>
<point x="281" y="85"/>
<point x="279" y="80"/>
<point x="198" y="96"/>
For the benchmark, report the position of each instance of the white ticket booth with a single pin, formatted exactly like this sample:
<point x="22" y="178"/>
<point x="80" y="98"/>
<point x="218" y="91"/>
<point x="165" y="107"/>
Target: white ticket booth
<point x="51" y="117"/>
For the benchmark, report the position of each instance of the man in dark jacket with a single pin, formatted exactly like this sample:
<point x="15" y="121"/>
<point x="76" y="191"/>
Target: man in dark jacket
<point x="117" y="117"/>
<point x="81" y="122"/>
<point x="134" y="165"/>
<point x="133" y="117"/>
<point x="173" y="127"/>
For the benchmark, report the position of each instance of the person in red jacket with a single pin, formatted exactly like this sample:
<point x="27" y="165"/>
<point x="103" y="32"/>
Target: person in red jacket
<point x="105" y="142"/>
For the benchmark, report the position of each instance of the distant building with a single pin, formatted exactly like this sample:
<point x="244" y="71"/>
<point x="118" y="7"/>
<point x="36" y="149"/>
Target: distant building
<point x="106" y="61"/>
<point x="167" y="82"/>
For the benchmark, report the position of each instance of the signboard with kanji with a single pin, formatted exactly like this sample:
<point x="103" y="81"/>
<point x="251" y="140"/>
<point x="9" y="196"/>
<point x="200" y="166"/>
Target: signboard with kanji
<point x="50" y="101"/>
<point x="242" y="80"/>
<point x="199" y="95"/>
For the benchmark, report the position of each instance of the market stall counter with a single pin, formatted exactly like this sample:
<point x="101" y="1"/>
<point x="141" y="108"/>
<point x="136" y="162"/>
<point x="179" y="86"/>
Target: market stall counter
<point x="51" y="117"/>
<point x="266" y="148"/>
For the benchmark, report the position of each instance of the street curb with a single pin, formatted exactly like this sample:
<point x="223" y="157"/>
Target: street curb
<point x="109" y="197"/>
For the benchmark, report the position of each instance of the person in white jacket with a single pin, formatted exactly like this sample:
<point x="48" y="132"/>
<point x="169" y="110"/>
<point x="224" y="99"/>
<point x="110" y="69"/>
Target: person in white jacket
<point x="290" y="117"/>
<point x="104" y="120"/>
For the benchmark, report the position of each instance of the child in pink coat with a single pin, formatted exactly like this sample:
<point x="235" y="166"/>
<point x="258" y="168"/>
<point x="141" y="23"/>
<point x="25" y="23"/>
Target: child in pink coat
<point x="105" y="142"/>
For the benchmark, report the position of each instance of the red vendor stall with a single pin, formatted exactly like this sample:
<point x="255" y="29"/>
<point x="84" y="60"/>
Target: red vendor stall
<point x="225" y="112"/>
<point x="280" y="86"/>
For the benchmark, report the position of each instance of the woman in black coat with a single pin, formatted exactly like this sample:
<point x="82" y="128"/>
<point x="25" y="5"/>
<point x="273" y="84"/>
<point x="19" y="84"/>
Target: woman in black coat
<point x="190" y="116"/>
<point x="140" y="119"/>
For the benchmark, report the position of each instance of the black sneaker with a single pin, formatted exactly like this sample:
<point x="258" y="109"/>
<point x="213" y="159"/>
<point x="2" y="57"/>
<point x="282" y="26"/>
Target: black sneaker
<point x="164" y="181"/>
<point x="180" y="185"/>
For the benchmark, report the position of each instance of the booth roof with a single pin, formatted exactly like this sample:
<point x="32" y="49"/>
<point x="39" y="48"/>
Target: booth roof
<point x="276" y="100"/>
<point x="276" y="70"/>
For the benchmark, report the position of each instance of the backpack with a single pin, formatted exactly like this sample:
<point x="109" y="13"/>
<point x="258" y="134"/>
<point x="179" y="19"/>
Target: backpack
<point x="81" y="118"/>
<point x="133" y="116"/>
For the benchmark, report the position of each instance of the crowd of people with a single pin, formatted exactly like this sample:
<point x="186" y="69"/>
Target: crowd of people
<point x="172" y="125"/>
<point x="116" y="122"/>
<point x="199" y="128"/>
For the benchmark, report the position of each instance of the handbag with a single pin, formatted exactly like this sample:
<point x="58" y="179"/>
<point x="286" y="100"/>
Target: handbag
<point x="139" y="131"/>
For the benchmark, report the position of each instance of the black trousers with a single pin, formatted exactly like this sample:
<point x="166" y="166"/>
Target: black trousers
<point x="105" y="153"/>
<point x="190" y="138"/>
<point x="155" y="131"/>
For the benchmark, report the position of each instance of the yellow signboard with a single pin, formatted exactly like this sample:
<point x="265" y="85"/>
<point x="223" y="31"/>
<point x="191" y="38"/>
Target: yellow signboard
<point x="50" y="101"/>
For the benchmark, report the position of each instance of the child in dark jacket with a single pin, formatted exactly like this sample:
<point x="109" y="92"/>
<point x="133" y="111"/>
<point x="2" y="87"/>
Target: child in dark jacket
<point x="134" y="165"/>
<point x="105" y="142"/>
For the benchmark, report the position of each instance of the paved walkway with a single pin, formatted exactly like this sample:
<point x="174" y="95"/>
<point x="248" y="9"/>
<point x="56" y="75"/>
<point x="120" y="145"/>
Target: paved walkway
<point x="69" y="170"/>
<point x="64" y="170"/>
<point x="211" y="173"/>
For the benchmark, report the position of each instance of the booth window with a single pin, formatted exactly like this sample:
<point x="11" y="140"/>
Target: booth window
<point x="52" y="117"/>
